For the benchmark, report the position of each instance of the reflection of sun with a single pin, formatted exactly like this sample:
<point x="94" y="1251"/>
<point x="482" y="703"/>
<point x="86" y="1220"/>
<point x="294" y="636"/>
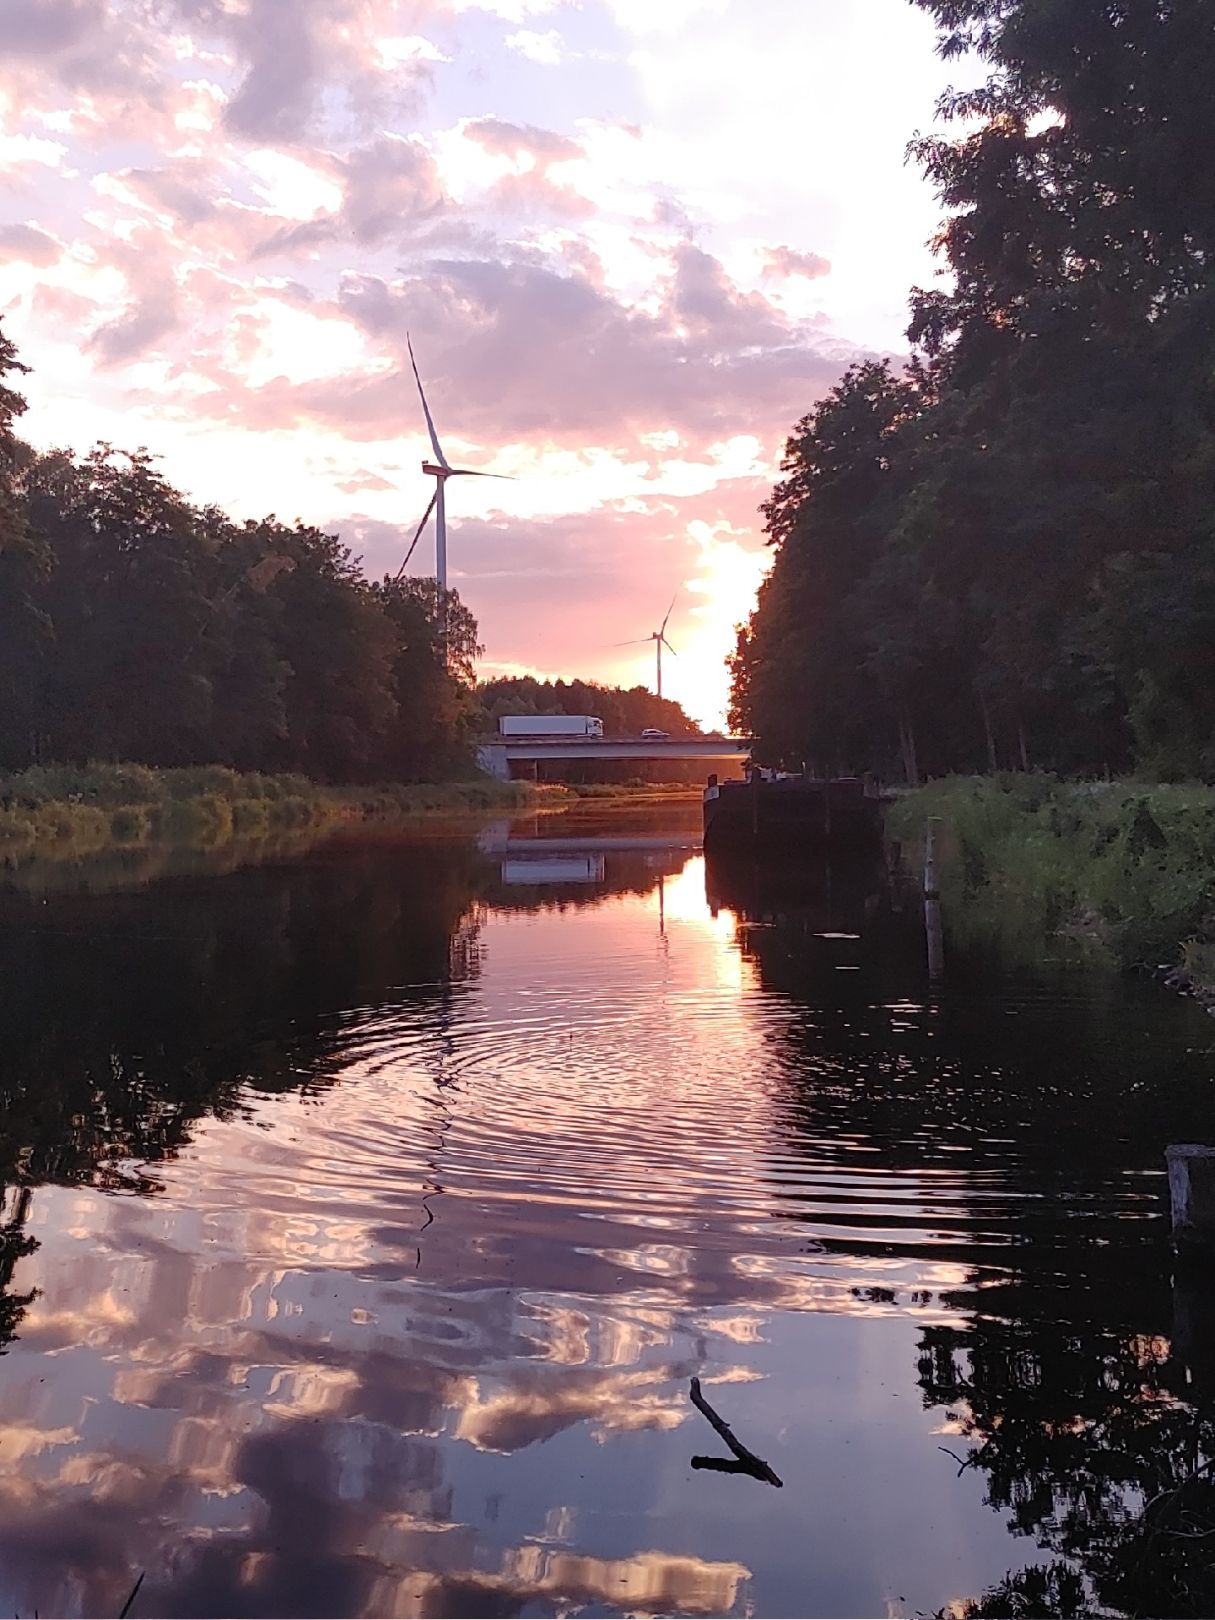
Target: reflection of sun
<point x="684" y="896"/>
<point x="683" y="901"/>
<point x="720" y="966"/>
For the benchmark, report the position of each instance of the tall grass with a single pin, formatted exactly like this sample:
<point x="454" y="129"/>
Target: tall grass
<point x="1123" y="868"/>
<point x="635" y="790"/>
<point x="76" y="810"/>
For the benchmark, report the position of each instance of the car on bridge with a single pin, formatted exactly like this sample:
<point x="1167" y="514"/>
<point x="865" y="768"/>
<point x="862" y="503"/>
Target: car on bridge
<point x="653" y="734"/>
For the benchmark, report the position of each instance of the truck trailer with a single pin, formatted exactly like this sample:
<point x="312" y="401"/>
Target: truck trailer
<point x="550" y="725"/>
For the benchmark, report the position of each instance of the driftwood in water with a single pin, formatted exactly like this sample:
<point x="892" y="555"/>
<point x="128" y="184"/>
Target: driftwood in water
<point x="747" y="1462"/>
<point x="134" y="1593"/>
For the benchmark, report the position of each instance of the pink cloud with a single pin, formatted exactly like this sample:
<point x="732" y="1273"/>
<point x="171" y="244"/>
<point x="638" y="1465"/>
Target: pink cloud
<point x="704" y="298"/>
<point x="523" y="195"/>
<point x="392" y="192"/>
<point x="28" y="244"/>
<point x="543" y="146"/>
<point x="533" y="190"/>
<point x="183" y="191"/>
<point x="87" y="45"/>
<point x="291" y="67"/>
<point x="787" y="262"/>
<point x="61" y="307"/>
<point x="290" y="53"/>
<point x="602" y="563"/>
<point x="518" y="351"/>
<point x="154" y="311"/>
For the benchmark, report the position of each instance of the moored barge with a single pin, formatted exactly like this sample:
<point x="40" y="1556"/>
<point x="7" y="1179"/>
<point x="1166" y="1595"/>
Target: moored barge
<point x="775" y="813"/>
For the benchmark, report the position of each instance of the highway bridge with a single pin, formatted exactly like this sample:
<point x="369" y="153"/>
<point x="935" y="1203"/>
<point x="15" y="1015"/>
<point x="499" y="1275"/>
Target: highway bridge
<point x="505" y="757"/>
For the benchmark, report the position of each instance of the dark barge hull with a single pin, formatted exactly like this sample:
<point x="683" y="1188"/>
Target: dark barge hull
<point x="791" y="815"/>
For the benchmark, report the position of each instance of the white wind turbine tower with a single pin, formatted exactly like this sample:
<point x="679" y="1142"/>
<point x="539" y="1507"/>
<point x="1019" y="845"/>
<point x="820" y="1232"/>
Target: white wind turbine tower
<point x="440" y="469"/>
<point x="659" y="638"/>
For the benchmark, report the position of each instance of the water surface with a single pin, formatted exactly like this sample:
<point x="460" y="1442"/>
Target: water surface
<point x="371" y="1208"/>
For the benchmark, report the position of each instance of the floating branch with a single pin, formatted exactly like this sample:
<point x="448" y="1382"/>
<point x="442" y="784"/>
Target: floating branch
<point x="747" y="1463"/>
<point x="126" y="1608"/>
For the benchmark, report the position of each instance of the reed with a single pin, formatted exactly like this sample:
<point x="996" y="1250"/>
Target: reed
<point x="71" y="810"/>
<point x="1121" y="869"/>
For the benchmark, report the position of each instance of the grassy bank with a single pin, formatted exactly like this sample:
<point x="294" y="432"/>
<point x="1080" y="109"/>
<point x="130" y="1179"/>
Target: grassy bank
<point x="1122" y="869"/>
<point x="665" y="792"/>
<point x="82" y="809"/>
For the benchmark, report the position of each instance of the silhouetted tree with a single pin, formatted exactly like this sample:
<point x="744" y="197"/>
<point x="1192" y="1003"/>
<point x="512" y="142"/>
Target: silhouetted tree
<point x="135" y="625"/>
<point x="1003" y="557"/>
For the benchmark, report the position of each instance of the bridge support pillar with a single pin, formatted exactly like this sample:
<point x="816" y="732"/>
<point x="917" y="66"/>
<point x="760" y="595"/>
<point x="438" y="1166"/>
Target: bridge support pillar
<point x="492" y="759"/>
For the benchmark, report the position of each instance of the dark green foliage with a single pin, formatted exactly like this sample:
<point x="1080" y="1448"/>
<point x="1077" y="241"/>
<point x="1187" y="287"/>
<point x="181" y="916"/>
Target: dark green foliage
<point x="1032" y="867"/>
<point x="624" y="711"/>
<point x="136" y="626"/>
<point x="438" y="716"/>
<point x="1005" y="558"/>
<point x="798" y="682"/>
<point x="24" y="564"/>
<point x="73" y="812"/>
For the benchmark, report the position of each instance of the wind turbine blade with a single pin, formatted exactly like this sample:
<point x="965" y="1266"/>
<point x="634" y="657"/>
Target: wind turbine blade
<point x="434" y="437"/>
<point x="668" y="646"/>
<point x="417" y="533"/>
<point x="671" y="609"/>
<point x="470" y="472"/>
<point x="640" y="642"/>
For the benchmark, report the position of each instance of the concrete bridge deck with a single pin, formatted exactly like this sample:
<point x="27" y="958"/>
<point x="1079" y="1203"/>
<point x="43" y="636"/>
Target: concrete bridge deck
<point x="496" y="755"/>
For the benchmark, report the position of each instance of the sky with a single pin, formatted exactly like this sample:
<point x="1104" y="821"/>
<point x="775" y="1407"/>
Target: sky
<point x="633" y="241"/>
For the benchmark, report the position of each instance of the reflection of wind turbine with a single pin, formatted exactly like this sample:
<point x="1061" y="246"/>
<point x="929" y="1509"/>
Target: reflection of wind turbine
<point x="440" y="469"/>
<point x="659" y="638"/>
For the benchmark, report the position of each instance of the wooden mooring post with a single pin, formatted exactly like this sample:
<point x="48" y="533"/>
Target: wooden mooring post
<point x="932" y="889"/>
<point x="933" y="935"/>
<point x="1192" y="1196"/>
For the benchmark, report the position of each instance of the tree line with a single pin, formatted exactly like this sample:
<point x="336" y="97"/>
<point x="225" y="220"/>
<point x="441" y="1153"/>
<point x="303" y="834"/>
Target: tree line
<point x="625" y="711"/>
<point x="136" y="625"/>
<point x="1000" y="556"/>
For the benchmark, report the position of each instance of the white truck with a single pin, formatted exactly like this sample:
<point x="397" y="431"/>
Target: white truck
<point x="550" y="725"/>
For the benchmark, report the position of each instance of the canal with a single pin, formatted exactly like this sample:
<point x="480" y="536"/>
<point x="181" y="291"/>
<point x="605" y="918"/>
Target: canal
<point x="369" y="1209"/>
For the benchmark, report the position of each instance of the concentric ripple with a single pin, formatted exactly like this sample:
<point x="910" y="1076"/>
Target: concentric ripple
<point x="617" y="1099"/>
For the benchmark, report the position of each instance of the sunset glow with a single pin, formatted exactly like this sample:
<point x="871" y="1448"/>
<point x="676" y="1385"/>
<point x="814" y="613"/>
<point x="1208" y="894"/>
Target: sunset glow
<point x="217" y="231"/>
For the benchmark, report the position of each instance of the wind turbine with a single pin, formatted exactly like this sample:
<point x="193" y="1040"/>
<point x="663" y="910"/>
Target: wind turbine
<point x="440" y="469"/>
<point x="659" y="638"/>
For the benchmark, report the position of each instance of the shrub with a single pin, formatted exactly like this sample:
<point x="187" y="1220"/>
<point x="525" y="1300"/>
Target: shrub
<point x="202" y="781"/>
<point x="202" y="820"/>
<point x="250" y="817"/>
<point x="108" y="785"/>
<point x="71" y="823"/>
<point x="1126" y="869"/>
<point x="131" y="824"/>
<point x="16" y="827"/>
<point x="293" y="811"/>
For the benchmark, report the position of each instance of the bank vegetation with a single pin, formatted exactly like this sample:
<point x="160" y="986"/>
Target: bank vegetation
<point x="78" y="810"/>
<point x="1037" y="866"/>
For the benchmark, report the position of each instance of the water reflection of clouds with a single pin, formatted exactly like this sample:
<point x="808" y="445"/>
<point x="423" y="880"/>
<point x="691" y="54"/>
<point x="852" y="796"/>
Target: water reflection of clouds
<point x="529" y="1406"/>
<point x="247" y="1404"/>
<point x="279" y="1387"/>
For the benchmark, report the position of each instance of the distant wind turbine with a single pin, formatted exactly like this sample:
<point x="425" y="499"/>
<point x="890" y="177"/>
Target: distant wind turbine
<point x="440" y="469"/>
<point x="659" y="638"/>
